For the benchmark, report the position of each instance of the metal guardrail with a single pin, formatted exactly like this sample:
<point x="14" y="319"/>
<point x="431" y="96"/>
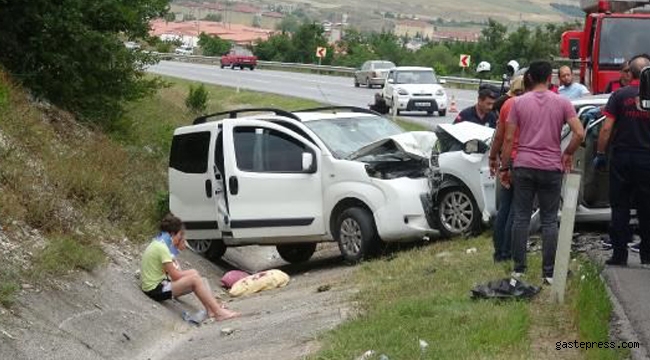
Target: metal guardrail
<point x="324" y="69"/>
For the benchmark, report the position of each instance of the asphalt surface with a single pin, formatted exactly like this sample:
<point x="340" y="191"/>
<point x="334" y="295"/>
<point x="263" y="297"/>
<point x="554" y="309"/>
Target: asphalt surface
<point x="335" y="90"/>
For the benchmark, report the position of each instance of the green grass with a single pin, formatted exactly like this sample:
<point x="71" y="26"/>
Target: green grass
<point x="593" y="312"/>
<point x="8" y="285"/>
<point x="421" y="295"/>
<point x="65" y="254"/>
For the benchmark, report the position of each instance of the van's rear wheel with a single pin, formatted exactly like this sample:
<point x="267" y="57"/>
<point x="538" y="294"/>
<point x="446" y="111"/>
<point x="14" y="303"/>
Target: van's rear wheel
<point x="212" y="249"/>
<point x="296" y="253"/>
<point x="356" y="234"/>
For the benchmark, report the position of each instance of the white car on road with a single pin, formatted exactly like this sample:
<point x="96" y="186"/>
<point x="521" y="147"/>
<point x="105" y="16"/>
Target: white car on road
<point x="464" y="193"/>
<point x="415" y="89"/>
<point x="184" y="50"/>
<point x="295" y="179"/>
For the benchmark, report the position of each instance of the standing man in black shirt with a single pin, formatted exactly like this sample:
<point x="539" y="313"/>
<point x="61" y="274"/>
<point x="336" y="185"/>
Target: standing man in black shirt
<point x="629" y="174"/>
<point x="481" y="113"/>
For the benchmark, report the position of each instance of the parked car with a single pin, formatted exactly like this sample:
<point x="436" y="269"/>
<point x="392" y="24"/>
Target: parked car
<point x="239" y="57"/>
<point x="464" y="194"/>
<point x="132" y="45"/>
<point x="184" y="50"/>
<point x="372" y="72"/>
<point x="415" y="89"/>
<point x="293" y="180"/>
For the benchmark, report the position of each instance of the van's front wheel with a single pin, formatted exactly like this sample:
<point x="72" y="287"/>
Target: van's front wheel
<point x="356" y="234"/>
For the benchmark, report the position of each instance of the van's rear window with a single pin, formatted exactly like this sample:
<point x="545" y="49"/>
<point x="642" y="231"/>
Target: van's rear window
<point x="189" y="152"/>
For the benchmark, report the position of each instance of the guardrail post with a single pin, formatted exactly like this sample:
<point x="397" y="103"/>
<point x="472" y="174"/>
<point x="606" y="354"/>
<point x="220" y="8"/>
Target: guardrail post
<point x="565" y="236"/>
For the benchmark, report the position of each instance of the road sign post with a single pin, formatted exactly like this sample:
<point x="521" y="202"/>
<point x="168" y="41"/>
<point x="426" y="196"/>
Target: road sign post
<point x="465" y="60"/>
<point x="321" y="52"/>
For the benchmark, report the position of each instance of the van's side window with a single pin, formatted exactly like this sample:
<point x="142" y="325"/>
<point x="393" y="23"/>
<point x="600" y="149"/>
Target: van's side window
<point x="189" y="152"/>
<point x="266" y="150"/>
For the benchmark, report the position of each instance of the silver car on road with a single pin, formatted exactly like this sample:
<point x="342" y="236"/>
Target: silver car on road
<point x="372" y="72"/>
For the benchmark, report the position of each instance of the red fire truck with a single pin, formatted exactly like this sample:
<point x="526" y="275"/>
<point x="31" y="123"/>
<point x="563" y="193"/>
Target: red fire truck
<point x="614" y="31"/>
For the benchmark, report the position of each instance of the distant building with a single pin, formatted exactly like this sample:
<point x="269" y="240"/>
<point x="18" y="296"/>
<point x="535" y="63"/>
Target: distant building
<point x="189" y="31"/>
<point x="452" y="35"/>
<point x="414" y="28"/>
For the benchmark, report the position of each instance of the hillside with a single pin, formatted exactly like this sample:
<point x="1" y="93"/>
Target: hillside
<point x="538" y="11"/>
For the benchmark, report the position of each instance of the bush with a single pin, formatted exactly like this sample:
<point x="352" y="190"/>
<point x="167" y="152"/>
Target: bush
<point x="197" y="99"/>
<point x="162" y="205"/>
<point x="65" y="254"/>
<point x="8" y="286"/>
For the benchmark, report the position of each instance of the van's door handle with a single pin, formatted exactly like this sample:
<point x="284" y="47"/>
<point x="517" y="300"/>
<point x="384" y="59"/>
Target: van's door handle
<point x="233" y="185"/>
<point x="208" y="188"/>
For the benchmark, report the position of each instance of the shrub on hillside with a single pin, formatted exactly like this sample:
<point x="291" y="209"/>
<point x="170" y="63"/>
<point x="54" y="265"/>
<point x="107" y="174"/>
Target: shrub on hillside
<point x="197" y="99"/>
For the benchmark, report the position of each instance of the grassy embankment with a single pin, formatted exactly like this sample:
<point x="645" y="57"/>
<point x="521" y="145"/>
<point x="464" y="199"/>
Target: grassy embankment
<point x="425" y="294"/>
<point x="80" y="185"/>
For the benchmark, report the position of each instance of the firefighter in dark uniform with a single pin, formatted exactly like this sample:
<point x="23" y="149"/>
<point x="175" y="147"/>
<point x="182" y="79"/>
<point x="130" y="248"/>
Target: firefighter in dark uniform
<point x="629" y="172"/>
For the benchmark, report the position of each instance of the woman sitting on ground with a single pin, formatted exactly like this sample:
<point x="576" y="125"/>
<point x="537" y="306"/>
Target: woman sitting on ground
<point x="161" y="280"/>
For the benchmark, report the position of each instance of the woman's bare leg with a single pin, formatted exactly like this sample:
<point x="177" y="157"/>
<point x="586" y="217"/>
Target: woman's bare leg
<point x="194" y="284"/>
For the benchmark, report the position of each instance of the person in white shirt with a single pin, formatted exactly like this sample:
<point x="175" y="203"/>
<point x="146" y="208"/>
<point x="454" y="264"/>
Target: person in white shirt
<point x="569" y="89"/>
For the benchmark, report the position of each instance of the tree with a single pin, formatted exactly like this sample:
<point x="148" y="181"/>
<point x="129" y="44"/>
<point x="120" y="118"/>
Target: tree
<point x="170" y="17"/>
<point x="197" y="99"/>
<point x="213" y="45"/>
<point x="213" y="17"/>
<point x="305" y="41"/>
<point x="277" y="48"/>
<point x="257" y="21"/>
<point x="71" y="51"/>
<point x="289" y="24"/>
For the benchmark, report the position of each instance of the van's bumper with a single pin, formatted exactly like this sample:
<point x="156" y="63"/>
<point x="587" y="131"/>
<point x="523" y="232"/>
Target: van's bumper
<point x="402" y="217"/>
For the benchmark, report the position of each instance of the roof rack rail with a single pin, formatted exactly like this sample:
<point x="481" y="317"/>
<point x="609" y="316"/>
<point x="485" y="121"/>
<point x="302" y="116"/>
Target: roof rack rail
<point x="354" y="109"/>
<point x="232" y="114"/>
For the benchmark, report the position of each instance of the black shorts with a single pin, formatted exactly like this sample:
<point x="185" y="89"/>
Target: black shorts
<point x="161" y="292"/>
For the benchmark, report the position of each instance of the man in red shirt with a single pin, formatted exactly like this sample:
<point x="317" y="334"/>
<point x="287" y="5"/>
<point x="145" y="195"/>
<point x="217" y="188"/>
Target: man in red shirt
<point x="503" y="224"/>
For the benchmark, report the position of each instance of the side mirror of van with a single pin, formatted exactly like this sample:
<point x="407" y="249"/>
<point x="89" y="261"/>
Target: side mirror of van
<point x="442" y="81"/>
<point x="644" y="89"/>
<point x="390" y="81"/>
<point x="308" y="164"/>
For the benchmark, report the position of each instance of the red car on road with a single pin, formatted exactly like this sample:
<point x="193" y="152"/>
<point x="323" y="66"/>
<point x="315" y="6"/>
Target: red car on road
<point x="239" y="57"/>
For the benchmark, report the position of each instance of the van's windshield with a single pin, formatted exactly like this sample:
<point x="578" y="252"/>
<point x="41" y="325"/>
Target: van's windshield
<point x="343" y="136"/>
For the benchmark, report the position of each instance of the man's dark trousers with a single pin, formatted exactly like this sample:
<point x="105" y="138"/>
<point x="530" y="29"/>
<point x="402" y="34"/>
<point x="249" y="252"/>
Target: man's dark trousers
<point x="547" y="185"/>
<point x="502" y="238"/>
<point x="629" y="178"/>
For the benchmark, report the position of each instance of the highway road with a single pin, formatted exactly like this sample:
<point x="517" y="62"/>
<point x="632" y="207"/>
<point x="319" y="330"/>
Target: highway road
<point x="336" y="90"/>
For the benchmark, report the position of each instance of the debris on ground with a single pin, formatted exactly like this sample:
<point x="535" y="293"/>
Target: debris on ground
<point x="264" y="280"/>
<point x="7" y="335"/>
<point x="89" y="284"/>
<point x="443" y="254"/>
<point x="196" y="319"/>
<point x="366" y="355"/>
<point x="323" y="288"/>
<point x="471" y="251"/>
<point x="505" y="289"/>
<point x="423" y="345"/>
<point x="227" y="331"/>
